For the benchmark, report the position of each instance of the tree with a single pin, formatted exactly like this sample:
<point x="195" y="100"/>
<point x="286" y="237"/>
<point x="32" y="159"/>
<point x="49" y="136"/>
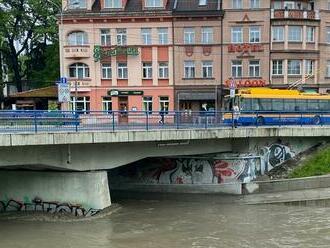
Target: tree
<point x="27" y="27"/>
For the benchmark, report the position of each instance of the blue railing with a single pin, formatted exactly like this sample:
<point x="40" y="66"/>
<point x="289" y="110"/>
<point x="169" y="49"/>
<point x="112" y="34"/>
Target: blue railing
<point x="52" y="121"/>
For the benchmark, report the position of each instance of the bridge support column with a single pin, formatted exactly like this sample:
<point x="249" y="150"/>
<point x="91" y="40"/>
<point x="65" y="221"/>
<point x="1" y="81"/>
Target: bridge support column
<point x="82" y="193"/>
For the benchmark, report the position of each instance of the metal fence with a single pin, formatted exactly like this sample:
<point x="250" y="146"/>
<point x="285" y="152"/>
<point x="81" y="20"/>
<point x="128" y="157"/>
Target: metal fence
<point x="52" y="121"/>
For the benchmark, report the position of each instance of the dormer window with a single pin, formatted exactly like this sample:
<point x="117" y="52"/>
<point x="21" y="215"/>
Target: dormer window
<point x="202" y="2"/>
<point x="113" y="4"/>
<point x="154" y="3"/>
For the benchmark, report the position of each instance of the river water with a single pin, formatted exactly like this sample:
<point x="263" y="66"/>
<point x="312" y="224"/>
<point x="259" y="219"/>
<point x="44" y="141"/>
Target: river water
<point x="175" y="223"/>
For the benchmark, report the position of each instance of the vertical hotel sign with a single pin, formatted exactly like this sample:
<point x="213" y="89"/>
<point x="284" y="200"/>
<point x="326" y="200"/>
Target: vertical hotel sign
<point x="101" y="52"/>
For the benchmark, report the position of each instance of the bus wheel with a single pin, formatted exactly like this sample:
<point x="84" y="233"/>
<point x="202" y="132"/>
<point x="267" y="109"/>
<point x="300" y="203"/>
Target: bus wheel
<point x="316" y="120"/>
<point x="260" y="121"/>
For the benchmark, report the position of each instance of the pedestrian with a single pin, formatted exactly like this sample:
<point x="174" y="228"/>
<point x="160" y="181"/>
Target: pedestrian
<point x="236" y="114"/>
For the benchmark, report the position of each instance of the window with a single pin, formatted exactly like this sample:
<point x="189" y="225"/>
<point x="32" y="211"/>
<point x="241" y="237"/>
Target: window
<point x="207" y="69"/>
<point x="254" y="4"/>
<point x="154" y="3"/>
<point x="310" y="34"/>
<point x="163" y="35"/>
<point x="107" y="104"/>
<point x="113" y="4"/>
<point x="254" y="68"/>
<point x="255" y="34"/>
<point x="236" y="68"/>
<point x="146" y="36"/>
<point x="295" y="33"/>
<point x="122" y="71"/>
<point x="189" y="69"/>
<point x="79" y="70"/>
<point x="106" y="71"/>
<point x="236" y="35"/>
<point x="77" y="4"/>
<point x="328" y="68"/>
<point x="277" y="5"/>
<point x="146" y="70"/>
<point x="237" y="4"/>
<point x="77" y="39"/>
<point x="163" y="70"/>
<point x="81" y="104"/>
<point x="278" y="33"/>
<point x="202" y="2"/>
<point x="147" y="104"/>
<point x="309" y="67"/>
<point x="164" y="104"/>
<point x="189" y="36"/>
<point x="328" y="34"/>
<point x="277" y="67"/>
<point x="105" y="37"/>
<point x="289" y="5"/>
<point x="121" y="37"/>
<point x="207" y="35"/>
<point x="294" y="67"/>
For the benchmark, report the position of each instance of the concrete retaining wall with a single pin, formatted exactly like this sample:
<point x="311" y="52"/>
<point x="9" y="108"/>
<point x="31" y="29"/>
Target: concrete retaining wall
<point x="286" y="185"/>
<point x="88" y="189"/>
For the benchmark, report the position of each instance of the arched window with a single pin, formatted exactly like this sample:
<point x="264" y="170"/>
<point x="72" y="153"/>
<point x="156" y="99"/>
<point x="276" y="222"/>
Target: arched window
<point x="77" y="38"/>
<point x="79" y="70"/>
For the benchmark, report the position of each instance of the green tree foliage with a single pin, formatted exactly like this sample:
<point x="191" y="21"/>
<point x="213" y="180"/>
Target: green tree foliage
<point x="29" y="32"/>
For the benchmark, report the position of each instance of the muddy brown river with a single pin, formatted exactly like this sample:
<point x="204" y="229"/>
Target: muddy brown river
<point x="174" y="223"/>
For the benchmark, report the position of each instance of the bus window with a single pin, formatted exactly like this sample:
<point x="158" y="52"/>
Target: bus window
<point x="265" y="104"/>
<point x="313" y="105"/>
<point x="278" y="105"/>
<point x="324" y="105"/>
<point x="246" y="104"/>
<point x="255" y="104"/>
<point x="289" y="105"/>
<point x="301" y="105"/>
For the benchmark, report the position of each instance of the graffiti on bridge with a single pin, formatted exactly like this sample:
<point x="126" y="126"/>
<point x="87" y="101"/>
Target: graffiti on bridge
<point x="242" y="168"/>
<point x="45" y="206"/>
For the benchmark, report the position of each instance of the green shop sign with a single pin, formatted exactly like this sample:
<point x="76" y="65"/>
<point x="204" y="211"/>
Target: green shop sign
<point x="101" y="52"/>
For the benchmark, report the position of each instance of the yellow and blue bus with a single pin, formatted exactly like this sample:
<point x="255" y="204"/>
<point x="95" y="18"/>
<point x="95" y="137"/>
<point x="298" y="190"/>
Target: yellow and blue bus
<point x="265" y="106"/>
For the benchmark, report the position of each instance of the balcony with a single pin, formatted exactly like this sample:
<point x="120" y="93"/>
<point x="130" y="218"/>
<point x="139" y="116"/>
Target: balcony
<point x="77" y="51"/>
<point x="295" y="14"/>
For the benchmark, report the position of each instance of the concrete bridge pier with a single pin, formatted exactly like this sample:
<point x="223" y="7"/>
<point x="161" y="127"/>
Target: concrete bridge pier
<point x="79" y="193"/>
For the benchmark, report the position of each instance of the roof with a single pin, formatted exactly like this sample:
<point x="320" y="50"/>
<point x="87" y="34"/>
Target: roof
<point x="47" y="92"/>
<point x="193" y="5"/>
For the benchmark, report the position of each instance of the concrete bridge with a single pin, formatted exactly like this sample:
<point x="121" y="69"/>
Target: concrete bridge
<point x="86" y="156"/>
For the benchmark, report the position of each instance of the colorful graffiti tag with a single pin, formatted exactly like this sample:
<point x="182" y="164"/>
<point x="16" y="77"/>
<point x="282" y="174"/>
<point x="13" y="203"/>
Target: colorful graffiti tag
<point x="242" y="168"/>
<point x="50" y="207"/>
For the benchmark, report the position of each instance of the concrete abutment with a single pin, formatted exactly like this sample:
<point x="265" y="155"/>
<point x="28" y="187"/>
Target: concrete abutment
<point x="81" y="193"/>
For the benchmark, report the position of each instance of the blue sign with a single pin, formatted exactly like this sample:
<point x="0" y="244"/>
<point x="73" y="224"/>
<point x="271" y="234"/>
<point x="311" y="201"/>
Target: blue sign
<point x="63" y="80"/>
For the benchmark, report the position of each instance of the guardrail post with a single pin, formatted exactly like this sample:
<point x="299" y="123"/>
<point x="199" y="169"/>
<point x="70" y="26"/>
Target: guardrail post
<point x="35" y="122"/>
<point x="257" y="120"/>
<point x="177" y="120"/>
<point x="301" y="119"/>
<point x="76" y="121"/>
<point x="113" y="121"/>
<point x="147" y="120"/>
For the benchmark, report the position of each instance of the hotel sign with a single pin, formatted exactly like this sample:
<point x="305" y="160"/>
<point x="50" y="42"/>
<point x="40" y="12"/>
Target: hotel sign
<point x="241" y="83"/>
<point x="101" y="52"/>
<point x="245" y="48"/>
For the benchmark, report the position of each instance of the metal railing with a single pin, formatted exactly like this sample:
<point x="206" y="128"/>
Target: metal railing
<point x="69" y="121"/>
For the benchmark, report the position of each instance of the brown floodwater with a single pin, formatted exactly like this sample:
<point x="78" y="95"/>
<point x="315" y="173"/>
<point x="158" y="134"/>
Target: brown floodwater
<point x="177" y="223"/>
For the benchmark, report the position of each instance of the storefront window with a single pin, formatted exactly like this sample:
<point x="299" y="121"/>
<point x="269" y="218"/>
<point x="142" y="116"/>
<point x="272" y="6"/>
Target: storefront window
<point x="147" y="104"/>
<point x="80" y="104"/>
<point x="107" y="104"/>
<point x="164" y="104"/>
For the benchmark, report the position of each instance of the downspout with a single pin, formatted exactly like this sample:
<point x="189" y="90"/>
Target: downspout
<point x="221" y="59"/>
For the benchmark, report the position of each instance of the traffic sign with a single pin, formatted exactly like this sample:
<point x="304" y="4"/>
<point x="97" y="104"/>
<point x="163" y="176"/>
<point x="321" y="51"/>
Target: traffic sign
<point x="232" y="93"/>
<point x="64" y="80"/>
<point x="63" y="92"/>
